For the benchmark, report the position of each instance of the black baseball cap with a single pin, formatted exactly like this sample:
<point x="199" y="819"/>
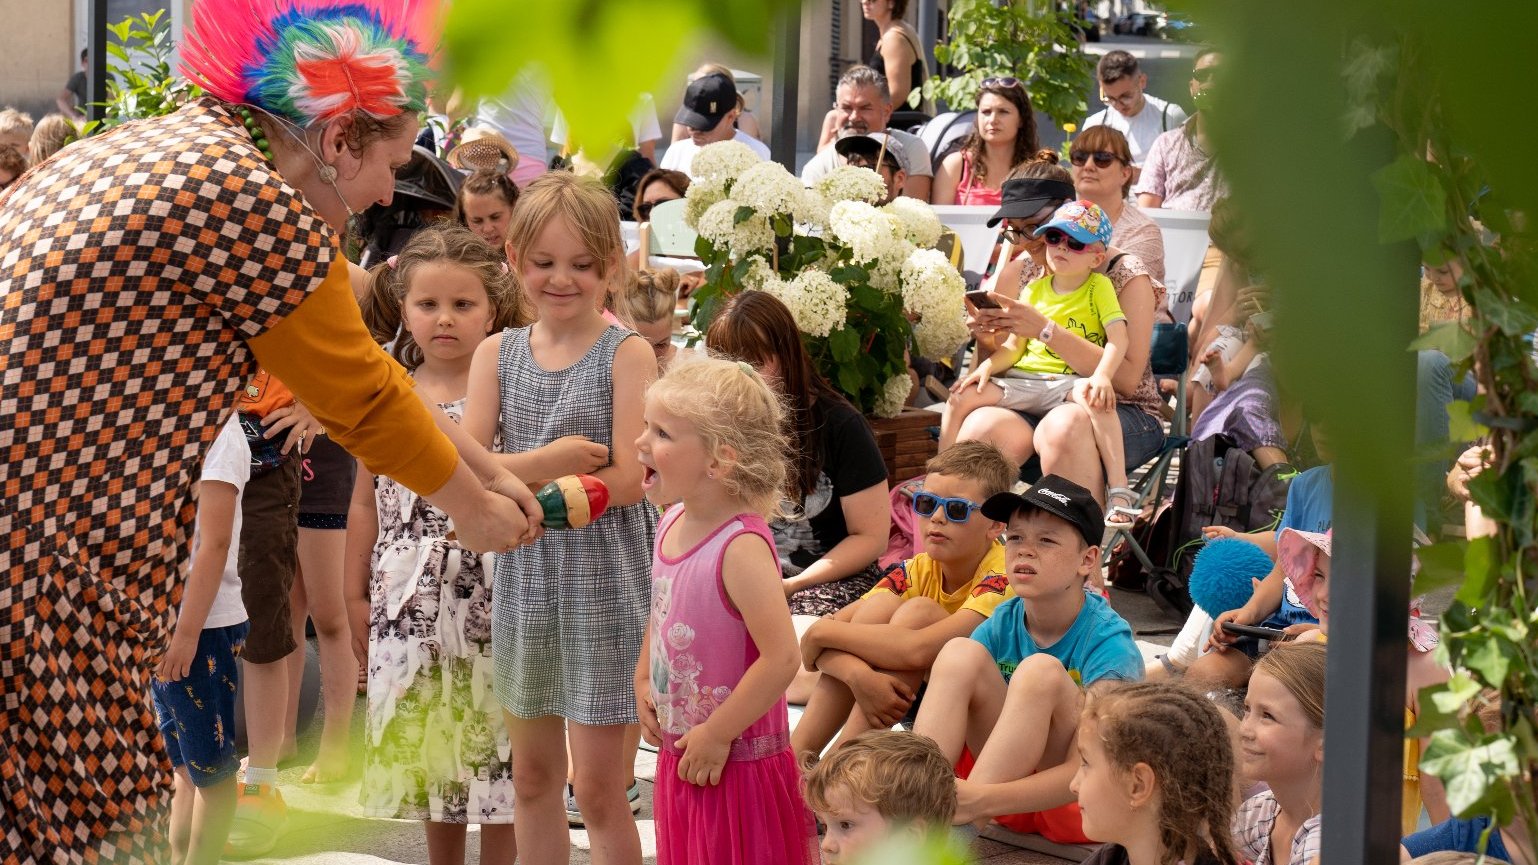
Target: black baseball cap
<point x="868" y="145"/>
<point x="1057" y="496"/>
<point x="1024" y="196"/>
<point x="707" y="100"/>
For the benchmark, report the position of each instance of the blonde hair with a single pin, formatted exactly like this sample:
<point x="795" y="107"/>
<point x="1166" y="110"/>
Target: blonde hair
<point x="586" y="205"/>
<point x="975" y="461"/>
<point x="14" y="122"/>
<point x="650" y="295"/>
<point x="731" y="406"/>
<point x="1300" y="668"/>
<point x="49" y="137"/>
<point x="902" y="775"/>
<point x="446" y="243"/>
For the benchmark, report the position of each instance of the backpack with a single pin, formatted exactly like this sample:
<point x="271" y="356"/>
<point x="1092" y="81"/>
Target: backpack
<point x="1220" y="484"/>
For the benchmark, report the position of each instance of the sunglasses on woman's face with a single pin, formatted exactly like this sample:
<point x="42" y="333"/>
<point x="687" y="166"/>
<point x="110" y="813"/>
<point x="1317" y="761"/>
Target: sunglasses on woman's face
<point x="1058" y="237"/>
<point x="1006" y="81"/>
<point x="1103" y="158"/>
<point x="644" y="209"/>
<point x="1203" y="74"/>
<point x="956" y="510"/>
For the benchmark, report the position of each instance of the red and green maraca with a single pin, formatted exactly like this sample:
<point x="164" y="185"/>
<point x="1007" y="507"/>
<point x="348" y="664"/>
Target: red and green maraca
<point x="573" y="501"/>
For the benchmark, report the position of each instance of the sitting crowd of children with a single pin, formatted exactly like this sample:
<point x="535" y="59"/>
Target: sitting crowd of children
<point x="1018" y="682"/>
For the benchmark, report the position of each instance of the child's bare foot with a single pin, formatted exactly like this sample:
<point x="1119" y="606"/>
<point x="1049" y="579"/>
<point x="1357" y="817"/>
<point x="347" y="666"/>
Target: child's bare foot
<point x="327" y="768"/>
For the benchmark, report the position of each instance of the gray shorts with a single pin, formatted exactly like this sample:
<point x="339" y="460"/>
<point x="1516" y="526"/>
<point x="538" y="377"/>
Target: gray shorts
<point x="1034" y="392"/>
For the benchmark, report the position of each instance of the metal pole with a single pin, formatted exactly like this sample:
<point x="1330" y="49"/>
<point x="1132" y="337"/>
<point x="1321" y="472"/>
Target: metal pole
<point x="1370" y="587"/>
<point x="96" y="43"/>
<point x="787" y="87"/>
<point x="929" y="31"/>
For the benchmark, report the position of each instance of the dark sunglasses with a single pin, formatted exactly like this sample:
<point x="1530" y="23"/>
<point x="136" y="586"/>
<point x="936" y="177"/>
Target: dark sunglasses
<point x="1103" y="158"/>
<point x="644" y="209"/>
<point x="1203" y="74"/>
<point x="1005" y="81"/>
<point x="956" y="510"/>
<point x="1057" y="236"/>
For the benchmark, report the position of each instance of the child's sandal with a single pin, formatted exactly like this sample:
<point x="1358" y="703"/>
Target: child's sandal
<point x="1127" y="508"/>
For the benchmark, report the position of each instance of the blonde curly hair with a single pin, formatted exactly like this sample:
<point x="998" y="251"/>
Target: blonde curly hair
<point x="732" y="407"/>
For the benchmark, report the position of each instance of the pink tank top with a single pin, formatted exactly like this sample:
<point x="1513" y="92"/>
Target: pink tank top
<point x="699" y="646"/>
<point x="970" y="190"/>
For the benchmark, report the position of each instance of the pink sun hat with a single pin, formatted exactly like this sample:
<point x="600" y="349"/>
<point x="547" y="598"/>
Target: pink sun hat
<point x="1298" y="552"/>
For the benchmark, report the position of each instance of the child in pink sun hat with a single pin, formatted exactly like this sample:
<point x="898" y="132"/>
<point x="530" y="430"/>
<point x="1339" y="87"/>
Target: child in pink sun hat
<point x="1305" y="559"/>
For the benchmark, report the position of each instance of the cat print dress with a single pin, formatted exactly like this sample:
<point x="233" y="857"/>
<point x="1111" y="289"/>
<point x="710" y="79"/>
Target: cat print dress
<point x="435" y="747"/>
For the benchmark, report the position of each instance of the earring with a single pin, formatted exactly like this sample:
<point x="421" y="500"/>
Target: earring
<point x="710" y="473"/>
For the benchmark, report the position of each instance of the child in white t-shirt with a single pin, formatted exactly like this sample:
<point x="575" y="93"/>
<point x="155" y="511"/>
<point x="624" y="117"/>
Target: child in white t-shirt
<point x="194" y="684"/>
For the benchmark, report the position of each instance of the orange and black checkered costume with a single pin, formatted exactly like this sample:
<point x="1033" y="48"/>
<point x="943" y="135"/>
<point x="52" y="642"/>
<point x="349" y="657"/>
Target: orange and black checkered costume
<point x="140" y="271"/>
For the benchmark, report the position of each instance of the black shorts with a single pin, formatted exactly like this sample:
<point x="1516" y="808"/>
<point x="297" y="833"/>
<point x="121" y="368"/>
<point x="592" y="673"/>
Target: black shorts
<point x="269" y="558"/>
<point x="328" y="472"/>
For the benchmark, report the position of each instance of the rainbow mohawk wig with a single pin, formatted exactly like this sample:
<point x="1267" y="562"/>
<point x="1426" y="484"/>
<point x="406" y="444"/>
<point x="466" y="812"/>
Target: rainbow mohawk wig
<point x="312" y="60"/>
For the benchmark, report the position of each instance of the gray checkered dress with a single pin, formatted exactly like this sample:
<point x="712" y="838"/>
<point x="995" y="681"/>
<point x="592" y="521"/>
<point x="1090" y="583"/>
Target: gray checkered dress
<point x="570" y="609"/>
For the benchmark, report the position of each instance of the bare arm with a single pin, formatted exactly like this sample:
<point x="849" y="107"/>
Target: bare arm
<point x="947" y="178"/>
<point x="1149" y="200"/>
<point x="868" y="517"/>
<point x="898" y="56"/>
<point x="217" y="504"/>
<point x="357" y="558"/>
<point x="1039" y="792"/>
<point x="635" y="366"/>
<point x="1084" y="356"/>
<point x="1115" y="351"/>
<point x="897" y="647"/>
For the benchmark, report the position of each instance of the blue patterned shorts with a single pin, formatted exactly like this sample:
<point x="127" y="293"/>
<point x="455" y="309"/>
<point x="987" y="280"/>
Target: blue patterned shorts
<point x="197" y="714"/>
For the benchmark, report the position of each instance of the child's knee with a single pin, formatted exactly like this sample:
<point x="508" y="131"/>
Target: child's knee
<point x="960" y="658"/>
<point x="1043" y="676"/>
<point x="918" y="613"/>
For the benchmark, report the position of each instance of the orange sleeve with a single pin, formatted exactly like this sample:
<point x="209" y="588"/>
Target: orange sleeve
<point x="365" y="400"/>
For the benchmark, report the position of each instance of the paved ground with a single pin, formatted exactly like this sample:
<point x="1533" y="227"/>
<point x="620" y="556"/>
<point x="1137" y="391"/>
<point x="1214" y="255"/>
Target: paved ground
<point x="324" y="829"/>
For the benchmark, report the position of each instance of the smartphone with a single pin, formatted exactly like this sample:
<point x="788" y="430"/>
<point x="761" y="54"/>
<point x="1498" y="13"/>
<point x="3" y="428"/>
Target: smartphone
<point x="982" y="298"/>
<point x="1272" y="634"/>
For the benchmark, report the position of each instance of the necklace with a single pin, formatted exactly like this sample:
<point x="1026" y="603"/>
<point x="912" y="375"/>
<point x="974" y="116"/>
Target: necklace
<point x="258" y="135"/>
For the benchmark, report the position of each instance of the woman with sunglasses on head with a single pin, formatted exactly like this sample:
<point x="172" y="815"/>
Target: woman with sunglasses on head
<point x="1102" y="173"/>
<point x="1004" y="139"/>
<point x="1062" y="437"/>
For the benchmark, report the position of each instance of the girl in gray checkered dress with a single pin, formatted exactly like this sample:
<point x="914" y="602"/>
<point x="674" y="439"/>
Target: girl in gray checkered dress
<point x="566" y="394"/>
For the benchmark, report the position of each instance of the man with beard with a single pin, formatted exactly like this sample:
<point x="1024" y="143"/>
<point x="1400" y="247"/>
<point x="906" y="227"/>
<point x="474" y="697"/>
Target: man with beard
<point x="863" y="106"/>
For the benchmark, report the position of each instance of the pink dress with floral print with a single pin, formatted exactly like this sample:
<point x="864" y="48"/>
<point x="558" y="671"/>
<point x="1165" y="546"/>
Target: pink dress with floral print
<point x="699" y="652"/>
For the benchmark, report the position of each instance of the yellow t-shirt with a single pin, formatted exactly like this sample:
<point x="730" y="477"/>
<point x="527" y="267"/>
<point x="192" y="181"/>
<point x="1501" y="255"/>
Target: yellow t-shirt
<point x="1086" y="311"/>
<point x="920" y="577"/>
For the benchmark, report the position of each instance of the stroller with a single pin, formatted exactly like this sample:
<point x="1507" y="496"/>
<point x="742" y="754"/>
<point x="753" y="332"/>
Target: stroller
<point x="425" y="191"/>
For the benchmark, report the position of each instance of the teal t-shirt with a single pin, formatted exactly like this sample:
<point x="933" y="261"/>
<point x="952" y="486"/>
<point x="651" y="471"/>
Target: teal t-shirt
<point x="1098" y="645"/>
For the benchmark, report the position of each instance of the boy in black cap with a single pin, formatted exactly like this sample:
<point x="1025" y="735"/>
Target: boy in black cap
<point x="710" y="109"/>
<point x="1022" y="671"/>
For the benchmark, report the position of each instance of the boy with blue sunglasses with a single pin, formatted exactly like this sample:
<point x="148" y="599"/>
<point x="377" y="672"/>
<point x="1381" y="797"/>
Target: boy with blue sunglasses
<point x="875" y="653"/>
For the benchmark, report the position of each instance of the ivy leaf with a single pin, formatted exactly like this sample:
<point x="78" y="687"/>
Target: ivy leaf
<point x="1450" y="339"/>
<point x="1441" y="566"/>
<point x="1457" y="692"/>
<point x="1474" y="774"/>
<point x="1480" y="571"/>
<point x="1461" y="424"/>
<point x="1513" y="317"/>
<point x="1412" y="202"/>
<point x="1491" y="659"/>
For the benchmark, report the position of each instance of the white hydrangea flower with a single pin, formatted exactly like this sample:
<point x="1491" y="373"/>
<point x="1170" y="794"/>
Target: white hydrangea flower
<point x="719" y="225"/>
<point x="721" y="163"/>
<point x="698" y="199"/>
<point x="769" y="189"/>
<point x="870" y="234"/>
<point x="760" y="274"/>
<point x="919" y="220"/>
<point x="819" y="304"/>
<point x="894" y="395"/>
<point x="933" y="292"/>
<point x="812" y="208"/>
<point x="848" y="183"/>
<point x="938" y="336"/>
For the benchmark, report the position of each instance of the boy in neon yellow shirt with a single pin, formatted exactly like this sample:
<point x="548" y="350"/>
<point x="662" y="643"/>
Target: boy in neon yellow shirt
<point x="875" y="653"/>
<point x="1026" y="375"/>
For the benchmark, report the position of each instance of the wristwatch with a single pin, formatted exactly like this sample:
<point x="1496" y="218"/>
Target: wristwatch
<point x="1047" y="332"/>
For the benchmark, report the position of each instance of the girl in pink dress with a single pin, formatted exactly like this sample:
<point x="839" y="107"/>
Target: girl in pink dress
<point x="720" y="649"/>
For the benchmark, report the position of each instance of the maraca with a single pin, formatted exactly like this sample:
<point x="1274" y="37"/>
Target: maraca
<point x="573" y="501"/>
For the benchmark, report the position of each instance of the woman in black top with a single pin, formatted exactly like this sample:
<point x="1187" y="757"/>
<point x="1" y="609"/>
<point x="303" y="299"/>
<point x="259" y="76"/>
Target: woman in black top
<point x="837" y="477"/>
<point x="897" y="49"/>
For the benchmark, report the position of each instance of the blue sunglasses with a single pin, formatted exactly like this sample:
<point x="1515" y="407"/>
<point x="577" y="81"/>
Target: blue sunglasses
<point x="956" y="510"/>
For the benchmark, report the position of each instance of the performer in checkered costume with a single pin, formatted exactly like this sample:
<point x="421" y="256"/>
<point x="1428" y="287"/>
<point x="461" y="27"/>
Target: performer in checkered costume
<point x="143" y="273"/>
